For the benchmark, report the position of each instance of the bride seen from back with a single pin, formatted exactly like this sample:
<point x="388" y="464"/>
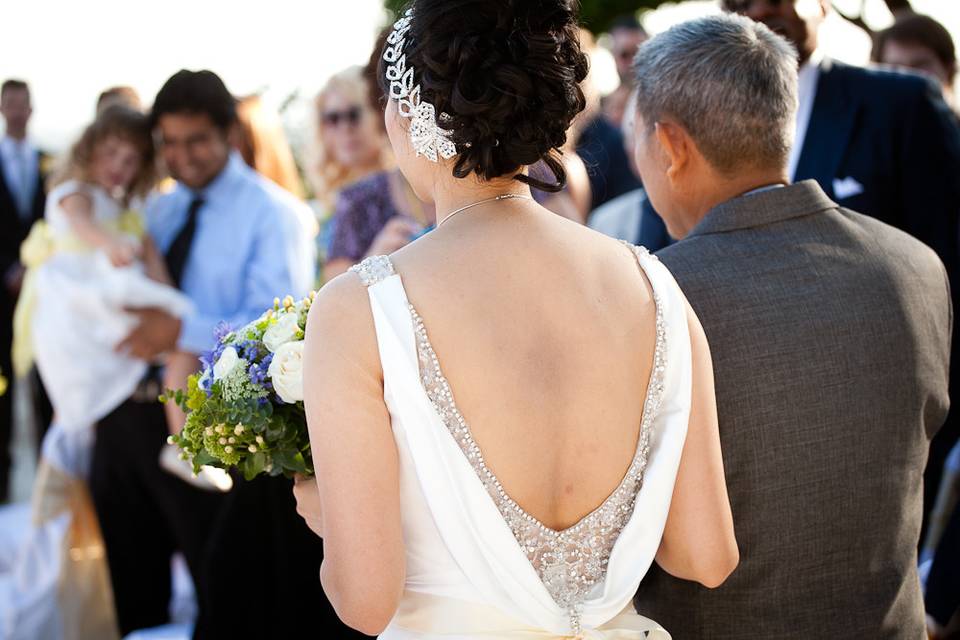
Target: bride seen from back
<point x="510" y="420"/>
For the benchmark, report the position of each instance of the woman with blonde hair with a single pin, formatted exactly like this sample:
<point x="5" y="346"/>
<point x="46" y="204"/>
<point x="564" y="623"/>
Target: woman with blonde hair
<point x="350" y="140"/>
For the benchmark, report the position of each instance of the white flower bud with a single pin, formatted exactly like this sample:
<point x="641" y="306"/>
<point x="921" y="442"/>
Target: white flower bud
<point x="238" y="430"/>
<point x="222" y="441"/>
<point x="282" y="331"/>
<point x="252" y="448"/>
<point x="232" y="440"/>
<point x="259" y="439"/>
<point x="228" y="449"/>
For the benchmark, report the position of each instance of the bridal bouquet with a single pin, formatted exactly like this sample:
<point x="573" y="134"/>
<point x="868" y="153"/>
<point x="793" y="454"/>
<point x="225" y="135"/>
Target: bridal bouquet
<point x="245" y="407"/>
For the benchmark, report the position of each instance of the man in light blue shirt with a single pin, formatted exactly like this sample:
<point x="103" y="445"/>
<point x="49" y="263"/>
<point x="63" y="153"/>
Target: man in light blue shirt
<point x="232" y="242"/>
<point x="249" y="247"/>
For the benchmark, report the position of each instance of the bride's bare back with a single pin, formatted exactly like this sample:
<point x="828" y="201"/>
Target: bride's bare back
<point x="559" y="332"/>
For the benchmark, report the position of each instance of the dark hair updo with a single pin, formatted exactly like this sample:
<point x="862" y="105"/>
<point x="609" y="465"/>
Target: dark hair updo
<point x="507" y="72"/>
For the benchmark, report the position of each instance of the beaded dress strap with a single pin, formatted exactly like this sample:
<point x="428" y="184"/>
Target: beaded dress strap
<point x="374" y="269"/>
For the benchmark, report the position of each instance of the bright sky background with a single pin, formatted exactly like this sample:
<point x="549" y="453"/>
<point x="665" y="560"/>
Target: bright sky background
<point x="70" y="50"/>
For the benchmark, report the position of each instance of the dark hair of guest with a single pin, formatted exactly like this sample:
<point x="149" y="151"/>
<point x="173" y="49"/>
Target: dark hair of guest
<point x="14" y="85"/>
<point x="508" y="73"/>
<point x="196" y="92"/>
<point x="917" y="29"/>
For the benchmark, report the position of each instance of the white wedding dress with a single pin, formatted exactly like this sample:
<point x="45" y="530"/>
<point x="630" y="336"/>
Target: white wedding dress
<point x="478" y="565"/>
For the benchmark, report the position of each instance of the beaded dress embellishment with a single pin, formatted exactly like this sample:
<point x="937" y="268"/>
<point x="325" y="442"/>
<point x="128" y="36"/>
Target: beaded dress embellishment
<point x="572" y="561"/>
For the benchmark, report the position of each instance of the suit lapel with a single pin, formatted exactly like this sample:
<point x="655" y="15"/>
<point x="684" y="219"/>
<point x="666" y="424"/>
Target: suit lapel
<point x="831" y="123"/>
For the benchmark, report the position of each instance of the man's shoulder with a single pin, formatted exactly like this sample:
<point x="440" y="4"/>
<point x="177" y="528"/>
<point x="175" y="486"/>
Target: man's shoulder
<point x="691" y="253"/>
<point x="900" y="247"/>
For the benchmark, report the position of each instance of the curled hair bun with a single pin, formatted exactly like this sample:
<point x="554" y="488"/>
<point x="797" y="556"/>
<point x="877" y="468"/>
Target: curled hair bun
<point x="508" y="73"/>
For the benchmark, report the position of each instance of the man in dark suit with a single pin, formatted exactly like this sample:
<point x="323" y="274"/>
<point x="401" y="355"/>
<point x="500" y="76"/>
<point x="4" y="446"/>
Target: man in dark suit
<point x="881" y="143"/>
<point x="829" y="333"/>
<point x="22" y="198"/>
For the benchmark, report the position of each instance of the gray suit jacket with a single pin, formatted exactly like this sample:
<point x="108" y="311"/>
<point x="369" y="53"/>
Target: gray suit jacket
<point x="830" y="338"/>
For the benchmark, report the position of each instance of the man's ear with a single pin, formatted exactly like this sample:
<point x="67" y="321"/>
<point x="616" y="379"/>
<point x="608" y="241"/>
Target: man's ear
<point x="676" y="145"/>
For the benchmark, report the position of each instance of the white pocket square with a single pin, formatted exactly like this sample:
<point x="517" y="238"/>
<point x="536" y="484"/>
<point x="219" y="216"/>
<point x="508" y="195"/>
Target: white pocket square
<point x="846" y="188"/>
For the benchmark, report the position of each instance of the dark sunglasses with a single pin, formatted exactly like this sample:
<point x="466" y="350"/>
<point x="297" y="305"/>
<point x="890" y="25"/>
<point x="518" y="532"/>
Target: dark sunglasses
<point x="349" y="116"/>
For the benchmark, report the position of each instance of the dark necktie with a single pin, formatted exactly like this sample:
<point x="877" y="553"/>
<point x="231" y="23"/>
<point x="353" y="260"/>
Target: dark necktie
<point x="179" y="249"/>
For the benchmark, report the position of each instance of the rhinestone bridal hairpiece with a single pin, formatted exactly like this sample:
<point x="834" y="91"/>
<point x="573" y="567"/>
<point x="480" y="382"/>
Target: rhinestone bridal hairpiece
<point x="428" y="137"/>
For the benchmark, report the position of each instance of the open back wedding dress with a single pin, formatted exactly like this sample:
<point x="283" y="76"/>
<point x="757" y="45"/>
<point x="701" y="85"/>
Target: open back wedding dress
<point x="478" y="565"/>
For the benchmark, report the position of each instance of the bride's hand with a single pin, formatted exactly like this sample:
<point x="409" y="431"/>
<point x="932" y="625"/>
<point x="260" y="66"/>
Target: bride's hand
<point x="307" y="493"/>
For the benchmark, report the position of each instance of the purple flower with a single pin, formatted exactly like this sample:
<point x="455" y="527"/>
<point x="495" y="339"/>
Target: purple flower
<point x="208" y="359"/>
<point x="258" y="373"/>
<point x="249" y="350"/>
<point x="221" y="331"/>
<point x="206" y="382"/>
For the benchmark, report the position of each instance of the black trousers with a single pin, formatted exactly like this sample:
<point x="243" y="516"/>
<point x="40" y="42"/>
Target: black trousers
<point x="146" y="514"/>
<point x="263" y="553"/>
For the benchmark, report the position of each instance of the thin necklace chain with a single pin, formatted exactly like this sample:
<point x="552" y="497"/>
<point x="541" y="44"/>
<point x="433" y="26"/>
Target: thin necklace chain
<point x="502" y="196"/>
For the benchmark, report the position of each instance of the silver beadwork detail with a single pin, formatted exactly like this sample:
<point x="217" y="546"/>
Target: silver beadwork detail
<point x="569" y="562"/>
<point x="373" y="269"/>
<point x="428" y="138"/>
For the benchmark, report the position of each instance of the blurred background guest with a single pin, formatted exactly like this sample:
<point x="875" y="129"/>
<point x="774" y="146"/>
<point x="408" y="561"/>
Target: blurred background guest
<point x="599" y="143"/>
<point x="259" y="138"/>
<point x="630" y="217"/>
<point x="921" y="43"/>
<point x="119" y="95"/>
<point x="351" y="143"/>
<point x="262" y="143"/>
<point x="626" y="36"/>
<point x="232" y="242"/>
<point x="22" y="200"/>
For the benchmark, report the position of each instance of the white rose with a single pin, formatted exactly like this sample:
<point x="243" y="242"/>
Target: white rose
<point x="286" y="372"/>
<point x="281" y="332"/>
<point x="226" y="363"/>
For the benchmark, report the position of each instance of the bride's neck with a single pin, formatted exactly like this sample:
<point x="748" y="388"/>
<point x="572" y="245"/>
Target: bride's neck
<point x="452" y="195"/>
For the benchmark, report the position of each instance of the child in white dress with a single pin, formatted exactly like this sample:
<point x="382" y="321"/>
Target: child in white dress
<point x="87" y="262"/>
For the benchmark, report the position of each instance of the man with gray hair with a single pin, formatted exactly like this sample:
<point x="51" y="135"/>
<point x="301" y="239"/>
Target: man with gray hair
<point x="830" y="335"/>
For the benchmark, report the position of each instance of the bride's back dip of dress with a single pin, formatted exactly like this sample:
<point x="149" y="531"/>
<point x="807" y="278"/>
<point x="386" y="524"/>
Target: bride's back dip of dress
<point x="477" y="564"/>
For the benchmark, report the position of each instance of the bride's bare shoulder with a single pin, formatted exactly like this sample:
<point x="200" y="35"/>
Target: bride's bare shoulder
<point x="340" y="320"/>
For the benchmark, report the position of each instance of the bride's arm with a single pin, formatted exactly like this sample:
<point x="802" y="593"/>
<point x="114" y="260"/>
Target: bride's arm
<point x="357" y="471"/>
<point x="698" y="542"/>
